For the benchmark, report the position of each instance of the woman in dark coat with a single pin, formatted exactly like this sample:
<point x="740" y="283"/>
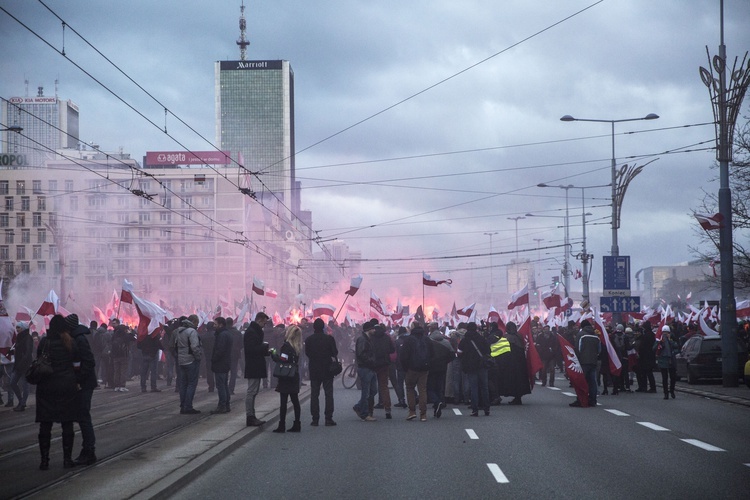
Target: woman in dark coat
<point x="514" y="377"/>
<point x="56" y="395"/>
<point x="288" y="388"/>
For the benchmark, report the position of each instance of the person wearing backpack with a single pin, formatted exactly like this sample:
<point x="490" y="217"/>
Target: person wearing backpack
<point x="415" y="359"/>
<point x="473" y="349"/>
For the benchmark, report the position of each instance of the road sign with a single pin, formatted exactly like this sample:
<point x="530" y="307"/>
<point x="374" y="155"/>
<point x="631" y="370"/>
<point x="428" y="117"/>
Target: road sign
<point x="616" y="272"/>
<point x="620" y="304"/>
<point x="616" y="293"/>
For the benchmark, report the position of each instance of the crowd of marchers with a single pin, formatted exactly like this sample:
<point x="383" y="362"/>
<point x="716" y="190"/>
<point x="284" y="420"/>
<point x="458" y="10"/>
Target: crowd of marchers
<point x="424" y="365"/>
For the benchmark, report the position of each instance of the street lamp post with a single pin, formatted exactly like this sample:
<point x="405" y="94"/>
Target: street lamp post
<point x="538" y="260"/>
<point x="518" y="274"/>
<point x="492" y="281"/>
<point x="616" y="198"/>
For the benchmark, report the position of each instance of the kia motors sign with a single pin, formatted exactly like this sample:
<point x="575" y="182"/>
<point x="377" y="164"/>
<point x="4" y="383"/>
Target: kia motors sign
<point x="158" y="158"/>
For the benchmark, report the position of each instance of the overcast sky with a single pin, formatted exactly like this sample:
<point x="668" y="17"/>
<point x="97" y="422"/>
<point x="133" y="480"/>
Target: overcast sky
<point x="461" y="103"/>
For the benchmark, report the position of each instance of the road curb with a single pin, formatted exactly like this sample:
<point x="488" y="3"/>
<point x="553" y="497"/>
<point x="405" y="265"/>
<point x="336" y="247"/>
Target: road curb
<point x="714" y="395"/>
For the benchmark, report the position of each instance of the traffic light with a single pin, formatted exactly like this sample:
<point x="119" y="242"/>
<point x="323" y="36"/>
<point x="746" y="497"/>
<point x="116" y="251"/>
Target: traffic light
<point x="555" y="280"/>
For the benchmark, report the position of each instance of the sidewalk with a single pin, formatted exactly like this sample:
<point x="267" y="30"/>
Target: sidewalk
<point x="162" y="468"/>
<point x="714" y="390"/>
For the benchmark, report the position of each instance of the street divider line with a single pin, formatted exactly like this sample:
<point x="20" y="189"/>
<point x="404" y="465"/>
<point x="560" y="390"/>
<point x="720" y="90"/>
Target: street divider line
<point x="457" y="411"/>
<point x="497" y="473"/>
<point x="653" y="427"/>
<point x="553" y="388"/>
<point x="472" y="434"/>
<point x="618" y="413"/>
<point x="569" y="394"/>
<point x="701" y="444"/>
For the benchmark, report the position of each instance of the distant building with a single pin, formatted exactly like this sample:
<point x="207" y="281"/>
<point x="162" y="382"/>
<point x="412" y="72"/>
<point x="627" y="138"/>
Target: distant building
<point x="48" y="124"/>
<point x="658" y="282"/>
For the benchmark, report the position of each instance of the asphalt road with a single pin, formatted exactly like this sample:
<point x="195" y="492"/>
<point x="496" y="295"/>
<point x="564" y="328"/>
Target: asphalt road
<point x="631" y="446"/>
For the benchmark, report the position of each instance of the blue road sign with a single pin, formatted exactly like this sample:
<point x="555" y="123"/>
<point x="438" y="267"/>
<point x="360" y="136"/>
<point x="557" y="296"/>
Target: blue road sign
<point x="616" y="272"/>
<point x="619" y="304"/>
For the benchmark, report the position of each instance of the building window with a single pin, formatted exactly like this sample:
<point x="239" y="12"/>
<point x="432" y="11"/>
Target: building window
<point x="36" y="252"/>
<point x="20" y="220"/>
<point x="144" y="217"/>
<point x="166" y="201"/>
<point x="145" y="265"/>
<point x="20" y="187"/>
<point x="74" y="202"/>
<point x="53" y="186"/>
<point x="165" y="279"/>
<point x="53" y="252"/>
<point x="41" y="236"/>
<point x="9" y="203"/>
<point x="166" y="234"/>
<point x="73" y="267"/>
<point x="4" y="187"/>
<point x="53" y="219"/>
<point x="4" y="252"/>
<point x="20" y="252"/>
<point x="122" y="248"/>
<point x="36" y="187"/>
<point x="165" y="217"/>
<point x="56" y="268"/>
<point x="36" y="219"/>
<point x="41" y="267"/>
<point x="4" y="220"/>
<point x="123" y="217"/>
<point x="9" y="268"/>
<point x="144" y="233"/>
<point x="145" y="249"/>
<point x="41" y="203"/>
<point x="25" y="266"/>
<point x="25" y="235"/>
<point x="25" y="203"/>
<point x="9" y="234"/>
<point x="122" y="233"/>
<point x="68" y="186"/>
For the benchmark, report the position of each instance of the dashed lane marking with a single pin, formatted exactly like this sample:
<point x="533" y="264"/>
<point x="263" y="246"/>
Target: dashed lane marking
<point x="618" y="413"/>
<point x="497" y="473"/>
<point x="554" y="388"/>
<point x="569" y="394"/>
<point x="457" y="411"/>
<point x="653" y="427"/>
<point x="701" y="444"/>
<point x="472" y="434"/>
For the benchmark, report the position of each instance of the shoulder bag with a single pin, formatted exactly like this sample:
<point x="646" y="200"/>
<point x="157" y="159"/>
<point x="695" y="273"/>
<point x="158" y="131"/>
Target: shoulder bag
<point x="41" y="367"/>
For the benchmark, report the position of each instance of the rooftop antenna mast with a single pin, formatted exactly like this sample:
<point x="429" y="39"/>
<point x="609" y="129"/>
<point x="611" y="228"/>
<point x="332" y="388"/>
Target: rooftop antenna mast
<point x="242" y="42"/>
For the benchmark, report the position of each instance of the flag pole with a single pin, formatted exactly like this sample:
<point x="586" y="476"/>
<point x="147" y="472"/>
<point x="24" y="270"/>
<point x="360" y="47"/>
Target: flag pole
<point x="423" y="291"/>
<point x="335" y="318"/>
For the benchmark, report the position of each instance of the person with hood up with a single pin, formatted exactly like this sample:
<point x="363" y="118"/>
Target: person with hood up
<point x="383" y="347"/>
<point x="513" y="376"/>
<point x="473" y="351"/>
<point x="189" y="354"/>
<point x="365" y="357"/>
<point x="221" y="362"/>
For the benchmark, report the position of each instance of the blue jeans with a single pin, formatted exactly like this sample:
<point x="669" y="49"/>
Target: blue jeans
<point x="148" y="365"/>
<point x="22" y="392"/>
<point x="589" y="371"/>
<point x="479" y="389"/>
<point x="189" y="378"/>
<point x="222" y="388"/>
<point x="369" y="382"/>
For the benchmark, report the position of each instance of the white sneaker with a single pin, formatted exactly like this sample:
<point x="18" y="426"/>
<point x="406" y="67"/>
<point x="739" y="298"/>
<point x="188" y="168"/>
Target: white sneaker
<point x="124" y="389"/>
<point x="117" y="389"/>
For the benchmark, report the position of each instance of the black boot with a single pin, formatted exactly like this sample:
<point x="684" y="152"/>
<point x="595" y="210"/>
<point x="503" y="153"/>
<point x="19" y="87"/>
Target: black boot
<point x="67" y="439"/>
<point x="281" y="428"/>
<point x="87" y="457"/>
<point x="296" y="427"/>
<point x="44" y="440"/>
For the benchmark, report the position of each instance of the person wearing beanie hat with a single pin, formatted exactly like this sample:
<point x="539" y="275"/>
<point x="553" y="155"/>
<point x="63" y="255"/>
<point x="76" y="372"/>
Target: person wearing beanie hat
<point x="415" y="358"/>
<point x="383" y="347"/>
<point x="86" y="378"/>
<point x="666" y="357"/>
<point x="365" y="356"/>
<point x="588" y="348"/>
<point x="321" y="351"/>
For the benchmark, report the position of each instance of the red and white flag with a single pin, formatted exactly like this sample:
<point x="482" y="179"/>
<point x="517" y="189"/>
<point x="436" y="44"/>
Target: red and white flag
<point x="493" y="316"/>
<point x="533" y="361"/>
<point x="354" y="285"/>
<point x="258" y="286"/>
<point x="428" y="281"/>
<point x="574" y="371"/>
<point x="271" y="293"/>
<point x="743" y="309"/>
<point x="377" y="304"/>
<point x="50" y="305"/>
<point x="710" y="222"/>
<point x="519" y="298"/>
<point x="126" y="295"/>
<point x="707" y="330"/>
<point x="577" y="274"/>
<point x="466" y="311"/>
<point x="552" y="298"/>
<point x="323" y="309"/>
<point x="150" y="316"/>
<point x="615" y="365"/>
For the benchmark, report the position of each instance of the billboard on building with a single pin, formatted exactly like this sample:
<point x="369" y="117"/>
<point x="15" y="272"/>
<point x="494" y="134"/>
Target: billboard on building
<point x="159" y="158"/>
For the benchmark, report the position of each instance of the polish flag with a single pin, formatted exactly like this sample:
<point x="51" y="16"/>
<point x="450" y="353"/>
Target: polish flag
<point x="271" y="293"/>
<point x="707" y="330"/>
<point x="258" y="286"/>
<point x="376" y="304"/>
<point x="126" y="295"/>
<point x="466" y="311"/>
<point x="428" y="281"/>
<point x="743" y="309"/>
<point x="354" y="285"/>
<point x="493" y="316"/>
<point x="150" y="316"/>
<point x="615" y="366"/>
<point x="710" y="222"/>
<point x="323" y="309"/>
<point x="533" y="361"/>
<point x="49" y="306"/>
<point x="520" y="297"/>
<point x="552" y="298"/>
<point x="574" y="371"/>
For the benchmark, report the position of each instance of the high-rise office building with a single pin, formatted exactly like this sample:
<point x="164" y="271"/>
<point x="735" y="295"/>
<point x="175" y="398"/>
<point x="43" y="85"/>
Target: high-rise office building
<point x="255" y="122"/>
<point x="48" y="124"/>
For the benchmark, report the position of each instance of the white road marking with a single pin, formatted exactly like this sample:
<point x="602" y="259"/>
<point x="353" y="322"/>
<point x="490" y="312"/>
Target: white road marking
<point x="747" y="465"/>
<point x="499" y="476"/>
<point x="457" y="411"/>
<point x="553" y="388"/>
<point x="569" y="394"/>
<point x="701" y="444"/>
<point x="472" y="434"/>
<point x="653" y="427"/>
<point x="618" y="413"/>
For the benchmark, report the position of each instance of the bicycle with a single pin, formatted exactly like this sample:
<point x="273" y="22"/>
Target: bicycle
<point x="350" y="377"/>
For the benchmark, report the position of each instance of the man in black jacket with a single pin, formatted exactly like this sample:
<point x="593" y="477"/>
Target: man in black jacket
<point x="23" y="355"/>
<point x="221" y="361"/>
<point x="256" y="351"/>
<point x="365" y="357"/>
<point x="321" y="350"/>
<point x="86" y="379"/>
<point x="149" y="347"/>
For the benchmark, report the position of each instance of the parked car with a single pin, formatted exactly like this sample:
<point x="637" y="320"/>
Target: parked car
<point x="700" y="358"/>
